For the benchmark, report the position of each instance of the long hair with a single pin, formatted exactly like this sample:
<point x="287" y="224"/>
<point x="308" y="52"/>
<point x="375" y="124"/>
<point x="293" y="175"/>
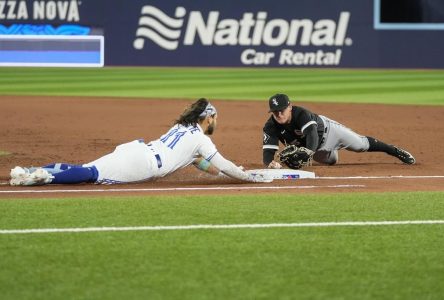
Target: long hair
<point x="191" y="115"/>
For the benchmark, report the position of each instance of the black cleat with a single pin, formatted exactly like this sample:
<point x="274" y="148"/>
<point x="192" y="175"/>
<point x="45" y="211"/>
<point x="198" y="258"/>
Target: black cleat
<point x="404" y="156"/>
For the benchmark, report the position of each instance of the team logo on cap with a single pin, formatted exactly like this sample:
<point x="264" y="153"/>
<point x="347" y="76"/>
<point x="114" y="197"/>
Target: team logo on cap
<point x="275" y="103"/>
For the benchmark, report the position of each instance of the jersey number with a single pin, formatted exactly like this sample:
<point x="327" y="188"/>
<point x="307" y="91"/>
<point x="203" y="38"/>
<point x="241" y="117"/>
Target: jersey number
<point x="172" y="137"/>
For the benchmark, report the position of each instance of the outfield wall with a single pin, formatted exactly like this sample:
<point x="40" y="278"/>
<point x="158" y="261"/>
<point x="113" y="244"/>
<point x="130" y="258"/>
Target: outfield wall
<point x="236" y="33"/>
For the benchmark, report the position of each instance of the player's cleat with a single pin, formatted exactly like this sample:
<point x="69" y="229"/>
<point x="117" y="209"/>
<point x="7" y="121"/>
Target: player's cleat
<point x="404" y="156"/>
<point x="18" y="172"/>
<point x="23" y="176"/>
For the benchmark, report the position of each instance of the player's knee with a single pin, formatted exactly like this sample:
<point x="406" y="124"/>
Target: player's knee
<point x="360" y="149"/>
<point x="363" y="146"/>
<point x="333" y="158"/>
<point x="326" y="157"/>
<point x="360" y="144"/>
<point x="332" y="162"/>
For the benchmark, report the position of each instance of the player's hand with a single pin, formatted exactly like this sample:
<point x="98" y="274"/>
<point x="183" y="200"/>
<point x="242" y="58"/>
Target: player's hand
<point x="222" y="175"/>
<point x="274" y="165"/>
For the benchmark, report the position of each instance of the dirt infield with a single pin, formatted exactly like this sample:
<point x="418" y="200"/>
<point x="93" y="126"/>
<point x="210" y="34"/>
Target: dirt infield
<point x="40" y="130"/>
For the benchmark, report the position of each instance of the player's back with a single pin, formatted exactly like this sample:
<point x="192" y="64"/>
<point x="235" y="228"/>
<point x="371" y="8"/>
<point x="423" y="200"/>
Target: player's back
<point x="179" y="147"/>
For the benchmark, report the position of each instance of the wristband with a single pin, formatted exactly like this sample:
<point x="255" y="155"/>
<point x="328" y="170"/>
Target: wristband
<point x="203" y="165"/>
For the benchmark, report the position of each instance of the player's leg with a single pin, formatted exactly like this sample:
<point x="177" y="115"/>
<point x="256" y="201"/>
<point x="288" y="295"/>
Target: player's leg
<point x="379" y="146"/>
<point x="337" y="137"/>
<point x="58" y="167"/>
<point x="376" y="145"/>
<point x="75" y="174"/>
<point x="53" y="174"/>
<point x="130" y="162"/>
<point x="340" y="137"/>
<point x="326" y="157"/>
<point x="117" y="167"/>
<point x="350" y="140"/>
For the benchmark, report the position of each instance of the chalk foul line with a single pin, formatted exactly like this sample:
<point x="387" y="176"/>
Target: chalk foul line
<point x="221" y="226"/>
<point x="383" y="177"/>
<point x="215" y="188"/>
<point x="212" y="188"/>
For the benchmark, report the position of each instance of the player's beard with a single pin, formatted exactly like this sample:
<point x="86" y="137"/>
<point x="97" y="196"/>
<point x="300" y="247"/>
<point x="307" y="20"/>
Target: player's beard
<point x="210" y="128"/>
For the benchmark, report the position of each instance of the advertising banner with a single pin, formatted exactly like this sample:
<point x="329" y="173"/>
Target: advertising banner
<point x="242" y="33"/>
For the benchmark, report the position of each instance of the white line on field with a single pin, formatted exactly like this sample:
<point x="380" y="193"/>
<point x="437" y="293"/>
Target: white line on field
<point x="383" y="177"/>
<point x="224" y="188"/>
<point x="221" y="226"/>
<point x="213" y="188"/>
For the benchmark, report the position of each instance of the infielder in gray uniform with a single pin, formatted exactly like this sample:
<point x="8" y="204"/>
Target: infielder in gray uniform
<point x="187" y="142"/>
<point x="321" y="136"/>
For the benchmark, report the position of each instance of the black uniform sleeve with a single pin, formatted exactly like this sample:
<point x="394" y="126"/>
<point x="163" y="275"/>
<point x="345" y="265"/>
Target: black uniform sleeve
<point x="268" y="156"/>
<point x="309" y="127"/>
<point x="312" y="138"/>
<point x="270" y="143"/>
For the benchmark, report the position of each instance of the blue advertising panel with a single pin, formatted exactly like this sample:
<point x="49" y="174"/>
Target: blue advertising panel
<point x="49" y="33"/>
<point x="260" y="33"/>
<point x="51" y="51"/>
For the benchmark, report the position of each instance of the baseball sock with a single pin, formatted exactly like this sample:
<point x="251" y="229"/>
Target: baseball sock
<point x="76" y="174"/>
<point x="378" y="146"/>
<point x="58" y="167"/>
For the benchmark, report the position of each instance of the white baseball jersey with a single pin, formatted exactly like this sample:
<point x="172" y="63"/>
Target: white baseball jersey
<point x="137" y="161"/>
<point x="179" y="147"/>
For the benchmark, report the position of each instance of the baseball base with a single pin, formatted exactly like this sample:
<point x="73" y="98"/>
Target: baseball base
<point x="284" y="174"/>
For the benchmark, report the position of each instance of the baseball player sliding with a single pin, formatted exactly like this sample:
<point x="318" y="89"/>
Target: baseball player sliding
<point x="308" y="136"/>
<point x="187" y="142"/>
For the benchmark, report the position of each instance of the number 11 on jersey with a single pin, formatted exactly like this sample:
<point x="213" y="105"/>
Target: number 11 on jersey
<point x="175" y="134"/>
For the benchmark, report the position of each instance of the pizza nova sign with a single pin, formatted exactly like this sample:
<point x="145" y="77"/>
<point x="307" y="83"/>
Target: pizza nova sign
<point x="251" y="31"/>
<point x="39" y="10"/>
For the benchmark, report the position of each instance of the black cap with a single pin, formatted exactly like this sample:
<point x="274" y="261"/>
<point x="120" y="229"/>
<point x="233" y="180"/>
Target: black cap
<point x="278" y="102"/>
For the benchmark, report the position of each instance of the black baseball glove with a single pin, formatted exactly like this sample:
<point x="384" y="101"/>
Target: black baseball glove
<point x="296" y="157"/>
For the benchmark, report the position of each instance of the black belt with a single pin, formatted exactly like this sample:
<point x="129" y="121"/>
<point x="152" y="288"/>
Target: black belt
<point x="157" y="156"/>
<point x="159" y="161"/>
<point x="322" y="137"/>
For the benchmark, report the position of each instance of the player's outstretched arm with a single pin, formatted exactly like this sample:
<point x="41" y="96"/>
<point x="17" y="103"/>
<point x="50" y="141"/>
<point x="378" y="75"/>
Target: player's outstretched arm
<point x="204" y="165"/>
<point x="233" y="171"/>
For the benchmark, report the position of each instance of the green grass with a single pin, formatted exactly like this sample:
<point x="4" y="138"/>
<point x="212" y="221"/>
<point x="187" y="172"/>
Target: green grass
<point x="384" y="262"/>
<point x="424" y="87"/>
